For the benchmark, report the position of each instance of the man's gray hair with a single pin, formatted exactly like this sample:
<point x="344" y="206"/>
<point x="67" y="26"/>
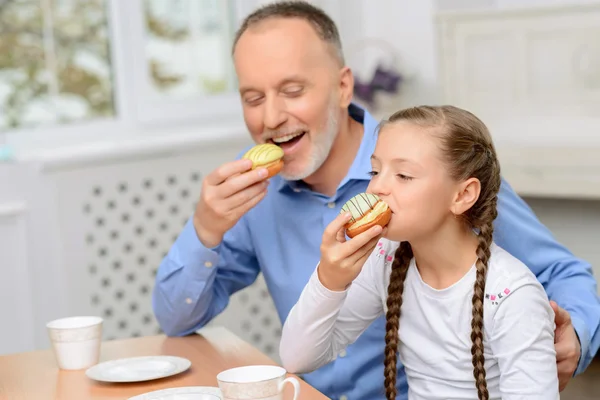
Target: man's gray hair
<point x="316" y="17"/>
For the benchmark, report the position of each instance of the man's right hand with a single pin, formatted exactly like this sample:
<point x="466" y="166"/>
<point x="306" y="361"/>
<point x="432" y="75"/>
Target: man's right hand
<point x="227" y="194"/>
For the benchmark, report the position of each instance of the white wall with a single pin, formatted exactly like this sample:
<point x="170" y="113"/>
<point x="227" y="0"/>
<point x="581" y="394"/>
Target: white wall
<point x="538" y="3"/>
<point x="16" y="306"/>
<point x="408" y="28"/>
<point x="576" y="223"/>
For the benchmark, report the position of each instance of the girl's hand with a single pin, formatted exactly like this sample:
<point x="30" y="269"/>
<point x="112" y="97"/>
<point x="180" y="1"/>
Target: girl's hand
<point x="341" y="259"/>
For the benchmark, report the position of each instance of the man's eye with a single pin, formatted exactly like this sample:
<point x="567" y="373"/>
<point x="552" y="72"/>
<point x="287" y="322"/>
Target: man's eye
<point x="293" y="90"/>
<point x="253" y="99"/>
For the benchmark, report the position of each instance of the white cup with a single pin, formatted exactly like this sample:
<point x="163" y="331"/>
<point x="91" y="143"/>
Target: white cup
<point x="76" y="341"/>
<point x="265" y="382"/>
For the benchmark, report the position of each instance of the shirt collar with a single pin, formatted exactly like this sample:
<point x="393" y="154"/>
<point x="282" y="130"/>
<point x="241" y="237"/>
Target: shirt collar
<point x="361" y="165"/>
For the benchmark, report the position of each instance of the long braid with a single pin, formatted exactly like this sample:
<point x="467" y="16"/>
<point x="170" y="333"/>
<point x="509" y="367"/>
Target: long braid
<point x="394" y="302"/>
<point x="483" y="257"/>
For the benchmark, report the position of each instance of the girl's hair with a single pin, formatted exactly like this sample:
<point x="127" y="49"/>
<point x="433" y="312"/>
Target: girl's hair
<point x="468" y="151"/>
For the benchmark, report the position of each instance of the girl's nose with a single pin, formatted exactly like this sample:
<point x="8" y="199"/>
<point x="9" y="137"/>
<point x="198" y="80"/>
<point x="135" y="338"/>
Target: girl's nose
<point x="378" y="186"/>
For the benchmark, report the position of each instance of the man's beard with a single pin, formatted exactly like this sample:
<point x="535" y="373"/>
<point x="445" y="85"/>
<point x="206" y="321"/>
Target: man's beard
<point x="321" y="147"/>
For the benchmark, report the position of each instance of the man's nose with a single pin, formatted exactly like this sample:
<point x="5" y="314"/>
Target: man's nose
<point x="274" y="113"/>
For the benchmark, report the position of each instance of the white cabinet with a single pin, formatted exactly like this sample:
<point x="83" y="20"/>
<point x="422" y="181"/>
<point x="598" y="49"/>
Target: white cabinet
<point x="533" y="76"/>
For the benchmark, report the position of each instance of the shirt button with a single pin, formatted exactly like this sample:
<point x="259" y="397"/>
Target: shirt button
<point x="208" y="264"/>
<point x="296" y="190"/>
<point x="331" y="204"/>
<point x="188" y="300"/>
<point x="343" y="353"/>
<point x="343" y="397"/>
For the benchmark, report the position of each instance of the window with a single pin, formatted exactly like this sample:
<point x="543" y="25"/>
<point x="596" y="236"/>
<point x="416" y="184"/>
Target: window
<point x="78" y="71"/>
<point x="55" y="63"/>
<point x="183" y="59"/>
<point x="187" y="46"/>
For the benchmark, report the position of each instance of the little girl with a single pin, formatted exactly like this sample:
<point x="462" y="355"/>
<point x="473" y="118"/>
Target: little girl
<point x="467" y="319"/>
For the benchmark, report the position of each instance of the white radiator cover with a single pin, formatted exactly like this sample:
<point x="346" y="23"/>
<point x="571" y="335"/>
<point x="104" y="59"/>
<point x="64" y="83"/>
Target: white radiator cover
<point x="97" y="228"/>
<point x="118" y="220"/>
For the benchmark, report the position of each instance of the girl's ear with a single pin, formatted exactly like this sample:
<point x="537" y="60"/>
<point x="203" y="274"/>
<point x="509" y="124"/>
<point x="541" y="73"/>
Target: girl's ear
<point x="466" y="195"/>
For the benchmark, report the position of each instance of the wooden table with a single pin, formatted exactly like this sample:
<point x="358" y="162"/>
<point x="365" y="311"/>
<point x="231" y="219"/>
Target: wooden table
<point x="35" y="375"/>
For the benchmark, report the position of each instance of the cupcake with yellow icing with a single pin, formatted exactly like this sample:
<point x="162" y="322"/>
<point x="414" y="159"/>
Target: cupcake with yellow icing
<point x="367" y="210"/>
<point x="267" y="156"/>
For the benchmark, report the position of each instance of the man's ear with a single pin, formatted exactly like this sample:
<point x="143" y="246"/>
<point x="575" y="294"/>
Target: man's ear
<point x="346" y="87"/>
<point x="466" y="196"/>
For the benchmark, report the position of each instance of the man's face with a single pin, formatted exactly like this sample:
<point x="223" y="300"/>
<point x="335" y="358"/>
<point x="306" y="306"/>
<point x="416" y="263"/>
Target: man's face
<point x="290" y="90"/>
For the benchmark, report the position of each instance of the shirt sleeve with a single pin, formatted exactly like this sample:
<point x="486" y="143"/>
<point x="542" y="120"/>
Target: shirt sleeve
<point x="522" y="340"/>
<point x="567" y="279"/>
<point x="323" y="322"/>
<point x="193" y="283"/>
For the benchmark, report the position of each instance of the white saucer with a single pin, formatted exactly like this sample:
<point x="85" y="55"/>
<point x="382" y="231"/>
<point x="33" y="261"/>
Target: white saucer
<point x="182" y="393"/>
<point x="138" y="369"/>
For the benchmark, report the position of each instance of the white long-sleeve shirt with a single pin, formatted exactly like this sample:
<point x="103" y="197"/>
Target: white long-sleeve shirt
<point x="435" y="329"/>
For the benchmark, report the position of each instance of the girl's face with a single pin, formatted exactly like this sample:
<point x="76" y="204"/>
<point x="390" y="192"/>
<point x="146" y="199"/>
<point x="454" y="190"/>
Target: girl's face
<point x="410" y="176"/>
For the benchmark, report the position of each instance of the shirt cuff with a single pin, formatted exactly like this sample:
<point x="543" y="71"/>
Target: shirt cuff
<point x="584" y="341"/>
<point x="199" y="262"/>
<point x="322" y="291"/>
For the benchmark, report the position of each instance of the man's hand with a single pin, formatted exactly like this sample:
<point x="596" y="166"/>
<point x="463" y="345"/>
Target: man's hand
<point x="227" y="194"/>
<point x="568" y="348"/>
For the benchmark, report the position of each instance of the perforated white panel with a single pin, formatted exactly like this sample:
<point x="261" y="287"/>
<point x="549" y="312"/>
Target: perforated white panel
<point x="130" y="225"/>
<point x="118" y="221"/>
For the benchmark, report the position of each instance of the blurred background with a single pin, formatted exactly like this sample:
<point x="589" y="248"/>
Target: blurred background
<point x="111" y="111"/>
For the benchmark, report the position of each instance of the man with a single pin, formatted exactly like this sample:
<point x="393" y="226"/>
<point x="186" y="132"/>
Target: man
<point x="297" y="93"/>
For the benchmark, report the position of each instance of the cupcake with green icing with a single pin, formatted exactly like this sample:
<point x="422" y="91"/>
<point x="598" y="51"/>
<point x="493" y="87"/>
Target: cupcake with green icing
<point x="267" y="156"/>
<point x="367" y="210"/>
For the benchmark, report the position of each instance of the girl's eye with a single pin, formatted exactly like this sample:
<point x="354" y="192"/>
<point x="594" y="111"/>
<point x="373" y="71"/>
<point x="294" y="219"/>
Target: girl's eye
<point x="372" y="173"/>
<point x="405" y="177"/>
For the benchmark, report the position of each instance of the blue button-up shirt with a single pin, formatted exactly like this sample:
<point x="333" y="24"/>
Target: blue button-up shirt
<point x="281" y="237"/>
